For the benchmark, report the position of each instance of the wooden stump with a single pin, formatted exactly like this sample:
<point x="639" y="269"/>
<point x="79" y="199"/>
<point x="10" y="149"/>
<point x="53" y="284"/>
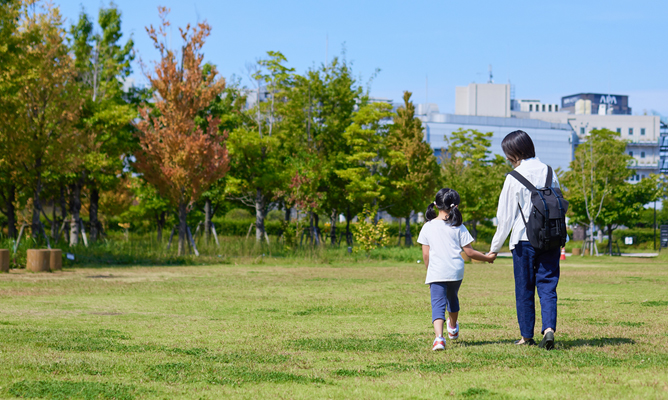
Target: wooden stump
<point x="56" y="260"/>
<point x="577" y="251"/>
<point x="4" y="260"/>
<point x="39" y="260"/>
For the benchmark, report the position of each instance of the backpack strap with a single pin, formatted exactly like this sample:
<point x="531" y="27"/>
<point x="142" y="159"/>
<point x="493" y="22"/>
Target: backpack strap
<point x="523" y="180"/>
<point x="548" y="181"/>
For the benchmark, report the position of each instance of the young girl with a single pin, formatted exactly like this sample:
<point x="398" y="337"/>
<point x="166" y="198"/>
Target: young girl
<point x="442" y="238"/>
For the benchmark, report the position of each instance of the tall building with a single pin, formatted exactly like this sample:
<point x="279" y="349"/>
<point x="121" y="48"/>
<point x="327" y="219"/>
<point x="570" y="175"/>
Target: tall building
<point x="488" y="108"/>
<point x="483" y="99"/>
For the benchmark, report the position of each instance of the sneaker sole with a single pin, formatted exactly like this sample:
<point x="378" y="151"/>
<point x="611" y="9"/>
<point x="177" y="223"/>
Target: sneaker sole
<point x="548" y="341"/>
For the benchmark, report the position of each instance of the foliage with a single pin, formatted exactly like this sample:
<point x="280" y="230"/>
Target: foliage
<point x="177" y="156"/>
<point x="411" y="166"/>
<point x="370" y="234"/>
<point x="366" y="137"/>
<point x="468" y="168"/>
<point x="596" y="185"/>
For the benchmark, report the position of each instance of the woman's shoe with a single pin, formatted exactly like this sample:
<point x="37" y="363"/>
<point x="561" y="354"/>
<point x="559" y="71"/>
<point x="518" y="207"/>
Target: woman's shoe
<point x="453" y="334"/>
<point x="548" y="341"/>
<point x="521" y="342"/>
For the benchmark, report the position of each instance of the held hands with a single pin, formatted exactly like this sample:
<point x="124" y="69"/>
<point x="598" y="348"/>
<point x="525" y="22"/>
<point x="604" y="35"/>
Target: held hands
<point x="491" y="257"/>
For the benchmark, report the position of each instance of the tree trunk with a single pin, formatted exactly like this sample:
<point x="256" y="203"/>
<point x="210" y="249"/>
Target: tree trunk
<point x="408" y="237"/>
<point x="259" y="216"/>
<point x="288" y="212"/>
<point x="11" y="211"/>
<point x="316" y="229"/>
<point x="207" y="220"/>
<point x="54" y="223"/>
<point x="75" y="209"/>
<point x="474" y="229"/>
<point x="36" y="208"/>
<point x="183" y="233"/>
<point x="63" y="210"/>
<point x="610" y="239"/>
<point x="348" y="235"/>
<point x="94" y="222"/>
<point x="332" y="232"/>
<point x="161" y="225"/>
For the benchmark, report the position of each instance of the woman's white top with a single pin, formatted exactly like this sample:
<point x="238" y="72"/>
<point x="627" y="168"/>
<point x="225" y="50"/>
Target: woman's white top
<point x="513" y="192"/>
<point x="445" y="245"/>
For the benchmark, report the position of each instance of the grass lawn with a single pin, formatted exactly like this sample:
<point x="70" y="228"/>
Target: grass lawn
<point x="285" y="329"/>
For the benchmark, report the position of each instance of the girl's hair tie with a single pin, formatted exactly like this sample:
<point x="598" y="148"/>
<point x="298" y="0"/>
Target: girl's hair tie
<point x="453" y="205"/>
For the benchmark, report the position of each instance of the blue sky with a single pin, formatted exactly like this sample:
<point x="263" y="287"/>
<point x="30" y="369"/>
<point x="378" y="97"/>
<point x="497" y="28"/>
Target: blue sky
<point x="546" y="49"/>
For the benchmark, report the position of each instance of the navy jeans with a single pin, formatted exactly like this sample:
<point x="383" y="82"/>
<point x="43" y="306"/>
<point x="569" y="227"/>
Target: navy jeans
<point x="535" y="272"/>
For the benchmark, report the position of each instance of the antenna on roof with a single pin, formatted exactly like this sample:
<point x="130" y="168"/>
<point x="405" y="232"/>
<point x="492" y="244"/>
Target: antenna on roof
<point x="491" y="77"/>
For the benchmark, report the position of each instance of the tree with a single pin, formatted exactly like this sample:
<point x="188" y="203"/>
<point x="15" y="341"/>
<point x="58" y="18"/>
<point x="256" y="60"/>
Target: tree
<point x="46" y="105"/>
<point x="257" y="149"/>
<point x="102" y="66"/>
<point x="364" y="183"/>
<point x="411" y="166"/>
<point x="177" y="156"/>
<point x="596" y="186"/>
<point x="469" y="168"/>
<point x="10" y="54"/>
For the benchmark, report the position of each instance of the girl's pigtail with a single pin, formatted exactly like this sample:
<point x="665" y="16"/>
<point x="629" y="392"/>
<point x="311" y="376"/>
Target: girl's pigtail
<point x="455" y="217"/>
<point x="430" y="214"/>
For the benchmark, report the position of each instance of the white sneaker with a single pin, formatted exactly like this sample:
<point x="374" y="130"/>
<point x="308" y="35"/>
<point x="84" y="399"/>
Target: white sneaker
<point x="439" y="344"/>
<point x="453" y="334"/>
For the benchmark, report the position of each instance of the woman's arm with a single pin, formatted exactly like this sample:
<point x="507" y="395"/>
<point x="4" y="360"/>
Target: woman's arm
<point x="476" y="255"/>
<point x="505" y="215"/>
<point x="425" y="255"/>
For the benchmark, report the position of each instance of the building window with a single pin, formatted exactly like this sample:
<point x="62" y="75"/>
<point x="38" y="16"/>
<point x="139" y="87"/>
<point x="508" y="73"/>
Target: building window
<point x="642" y="131"/>
<point x="619" y="130"/>
<point x="631" y="153"/>
<point x="543" y="107"/>
<point x="582" y="131"/>
<point x="556" y="108"/>
<point x="530" y="107"/>
<point x="630" y="131"/>
<point x="549" y="108"/>
<point x="642" y="154"/>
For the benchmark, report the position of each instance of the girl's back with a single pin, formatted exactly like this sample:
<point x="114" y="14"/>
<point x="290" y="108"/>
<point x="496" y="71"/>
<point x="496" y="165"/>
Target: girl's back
<point x="445" y="243"/>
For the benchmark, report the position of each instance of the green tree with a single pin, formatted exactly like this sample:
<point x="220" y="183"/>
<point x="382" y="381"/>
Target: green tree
<point x="102" y="65"/>
<point x="411" y="167"/>
<point x="596" y="185"/>
<point x="597" y="175"/>
<point x="257" y="149"/>
<point x="11" y="52"/>
<point x="46" y="104"/>
<point x="364" y="182"/>
<point x="469" y="168"/>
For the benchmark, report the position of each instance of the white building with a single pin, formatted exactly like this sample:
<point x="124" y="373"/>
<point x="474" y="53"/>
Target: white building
<point x="483" y="99"/>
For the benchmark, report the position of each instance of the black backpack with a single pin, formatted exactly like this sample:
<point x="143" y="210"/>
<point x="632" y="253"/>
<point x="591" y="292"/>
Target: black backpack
<point x="546" y="226"/>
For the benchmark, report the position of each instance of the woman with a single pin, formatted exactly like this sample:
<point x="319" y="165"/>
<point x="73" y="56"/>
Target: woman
<point x="533" y="271"/>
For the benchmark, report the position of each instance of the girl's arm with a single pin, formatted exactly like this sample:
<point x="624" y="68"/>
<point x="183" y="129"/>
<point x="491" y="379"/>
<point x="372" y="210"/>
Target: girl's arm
<point x="425" y="255"/>
<point x="476" y="255"/>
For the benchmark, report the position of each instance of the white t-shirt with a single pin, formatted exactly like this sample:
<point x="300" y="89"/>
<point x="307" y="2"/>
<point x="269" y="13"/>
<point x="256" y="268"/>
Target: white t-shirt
<point x="445" y="245"/>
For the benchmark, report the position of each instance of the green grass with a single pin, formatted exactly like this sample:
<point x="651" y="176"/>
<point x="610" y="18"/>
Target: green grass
<point x="327" y="326"/>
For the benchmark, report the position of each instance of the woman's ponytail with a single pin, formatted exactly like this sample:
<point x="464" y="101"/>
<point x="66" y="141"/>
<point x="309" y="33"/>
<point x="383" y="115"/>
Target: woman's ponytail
<point x="430" y="214"/>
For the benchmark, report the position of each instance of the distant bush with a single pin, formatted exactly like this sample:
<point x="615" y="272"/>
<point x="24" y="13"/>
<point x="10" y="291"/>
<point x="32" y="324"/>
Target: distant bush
<point x="238" y="214"/>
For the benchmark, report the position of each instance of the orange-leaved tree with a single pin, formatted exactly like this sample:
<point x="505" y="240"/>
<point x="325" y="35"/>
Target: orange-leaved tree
<point x="177" y="156"/>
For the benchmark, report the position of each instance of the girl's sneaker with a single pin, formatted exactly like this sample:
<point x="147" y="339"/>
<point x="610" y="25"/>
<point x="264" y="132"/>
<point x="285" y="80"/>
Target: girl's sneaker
<point x="453" y="334"/>
<point x="439" y="344"/>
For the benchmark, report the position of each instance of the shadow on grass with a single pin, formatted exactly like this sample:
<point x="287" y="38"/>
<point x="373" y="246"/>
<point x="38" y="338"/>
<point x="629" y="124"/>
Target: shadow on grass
<point x="597" y="342"/>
